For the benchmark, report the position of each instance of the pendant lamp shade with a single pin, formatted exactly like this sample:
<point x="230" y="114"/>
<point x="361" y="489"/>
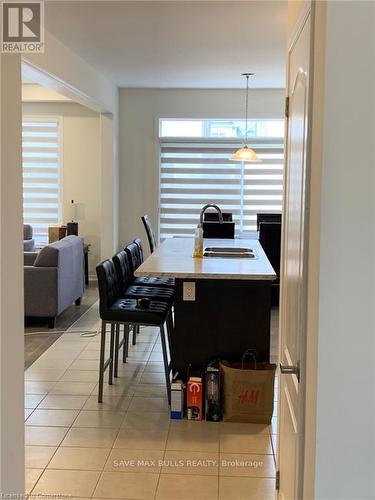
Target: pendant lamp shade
<point x="245" y="153"/>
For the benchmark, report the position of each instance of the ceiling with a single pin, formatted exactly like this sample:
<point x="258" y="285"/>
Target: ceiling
<point x="167" y="44"/>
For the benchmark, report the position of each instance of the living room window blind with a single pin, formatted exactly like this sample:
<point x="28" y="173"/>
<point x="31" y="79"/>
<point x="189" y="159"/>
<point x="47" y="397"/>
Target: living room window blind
<point x="196" y="171"/>
<point x="41" y="175"/>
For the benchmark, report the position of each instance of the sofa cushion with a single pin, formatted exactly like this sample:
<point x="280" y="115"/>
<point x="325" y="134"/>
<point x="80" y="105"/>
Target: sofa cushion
<point x="47" y="257"/>
<point x="29" y="258"/>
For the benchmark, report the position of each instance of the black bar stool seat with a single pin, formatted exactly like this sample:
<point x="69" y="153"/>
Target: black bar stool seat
<point x="149" y="292"/>
<point x="130" y="288"/>
<point x="127" y="311"/>
<point x="153" y="281"/>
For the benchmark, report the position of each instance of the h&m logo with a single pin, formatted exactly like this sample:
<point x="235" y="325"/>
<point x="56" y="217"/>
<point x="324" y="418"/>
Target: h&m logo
<point x="247" y="397"/>
<point x="22" y="26"/>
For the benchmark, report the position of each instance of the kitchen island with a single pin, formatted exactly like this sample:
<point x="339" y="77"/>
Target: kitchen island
<point x="222" y="305"/>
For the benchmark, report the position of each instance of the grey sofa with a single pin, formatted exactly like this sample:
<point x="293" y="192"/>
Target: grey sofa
<point x="28" y="240"/>
<point x="54" y="278"/>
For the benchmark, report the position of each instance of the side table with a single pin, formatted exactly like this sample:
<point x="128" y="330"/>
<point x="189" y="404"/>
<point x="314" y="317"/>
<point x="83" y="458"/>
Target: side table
<point x="86" y="249"/>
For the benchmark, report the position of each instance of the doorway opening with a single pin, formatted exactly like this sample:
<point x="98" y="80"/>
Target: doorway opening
<point x="61" y="196"/>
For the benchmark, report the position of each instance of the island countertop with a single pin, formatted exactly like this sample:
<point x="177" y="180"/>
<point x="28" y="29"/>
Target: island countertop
<point x="173" y="259"/>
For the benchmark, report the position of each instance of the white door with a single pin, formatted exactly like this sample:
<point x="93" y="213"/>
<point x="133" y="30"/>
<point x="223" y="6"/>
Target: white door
<point x="293" y="274"/>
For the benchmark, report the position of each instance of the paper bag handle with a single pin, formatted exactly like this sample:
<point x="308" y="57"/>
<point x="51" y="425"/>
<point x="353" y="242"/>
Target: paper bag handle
<point x="252" y="353"/>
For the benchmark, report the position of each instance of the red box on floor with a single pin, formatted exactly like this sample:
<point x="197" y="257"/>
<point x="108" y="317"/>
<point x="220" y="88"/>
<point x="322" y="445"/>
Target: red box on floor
<point x="194" y="398"/>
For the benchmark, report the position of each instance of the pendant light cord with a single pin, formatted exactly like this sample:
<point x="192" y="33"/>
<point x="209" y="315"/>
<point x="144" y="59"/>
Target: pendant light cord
<point x="247" y="102"/>
<point x="247" y="106"/>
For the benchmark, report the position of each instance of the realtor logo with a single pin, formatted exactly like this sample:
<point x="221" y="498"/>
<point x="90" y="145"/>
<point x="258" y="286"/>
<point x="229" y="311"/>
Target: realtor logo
<point x="22" y="27"/>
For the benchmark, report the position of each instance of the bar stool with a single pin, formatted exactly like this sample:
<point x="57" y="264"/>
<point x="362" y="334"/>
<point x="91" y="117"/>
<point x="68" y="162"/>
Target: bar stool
<point x="133" y="288"/>
<point x="135" y="252"/>
<point x="129" y="290"/>
<point x="118" y="311"/>
<point x="150" y="232"/>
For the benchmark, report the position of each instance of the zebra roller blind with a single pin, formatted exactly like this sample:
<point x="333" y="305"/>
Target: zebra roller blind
<point x="194" y="172"/>
<point x="41" y="172"/>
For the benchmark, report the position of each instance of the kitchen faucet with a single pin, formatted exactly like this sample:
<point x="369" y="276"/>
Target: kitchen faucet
<point x="211" y="205"/>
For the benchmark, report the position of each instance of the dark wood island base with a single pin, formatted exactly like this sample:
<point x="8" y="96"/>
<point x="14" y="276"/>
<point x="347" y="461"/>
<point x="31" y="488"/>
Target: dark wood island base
<point x="226" y="318"/>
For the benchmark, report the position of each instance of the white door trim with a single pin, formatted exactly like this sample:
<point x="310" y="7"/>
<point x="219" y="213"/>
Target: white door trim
<point x="11" y="271"/>
<point x="304" y="466"/>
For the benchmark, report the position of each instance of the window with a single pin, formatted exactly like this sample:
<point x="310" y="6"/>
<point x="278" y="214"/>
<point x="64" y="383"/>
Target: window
<point x="195" y="170"/>
<point x="41" y="172"/>
<point x="221" y="128"/>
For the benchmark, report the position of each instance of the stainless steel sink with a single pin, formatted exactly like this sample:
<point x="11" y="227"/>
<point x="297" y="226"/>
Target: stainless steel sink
<point x="230" y="253"/>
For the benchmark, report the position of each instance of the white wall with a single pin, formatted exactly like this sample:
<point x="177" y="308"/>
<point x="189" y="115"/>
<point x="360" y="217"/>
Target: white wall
<point x="139" y="111"/>
<point x="81" y="167"/>
<point x="345" y="410"/>
<point x="63" y="71"/>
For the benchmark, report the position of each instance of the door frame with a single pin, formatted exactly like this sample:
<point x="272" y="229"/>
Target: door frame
<point x="304" y="472"/>
<point x="12" y="452"/>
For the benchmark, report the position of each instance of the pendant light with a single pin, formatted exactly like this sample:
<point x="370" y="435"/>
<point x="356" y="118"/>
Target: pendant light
<point x="245" y="153"/>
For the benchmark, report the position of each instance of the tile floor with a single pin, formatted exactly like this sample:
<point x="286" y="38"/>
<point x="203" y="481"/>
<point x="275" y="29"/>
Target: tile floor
<point x="38" y="337"/>
<point x="127" y="448"/>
